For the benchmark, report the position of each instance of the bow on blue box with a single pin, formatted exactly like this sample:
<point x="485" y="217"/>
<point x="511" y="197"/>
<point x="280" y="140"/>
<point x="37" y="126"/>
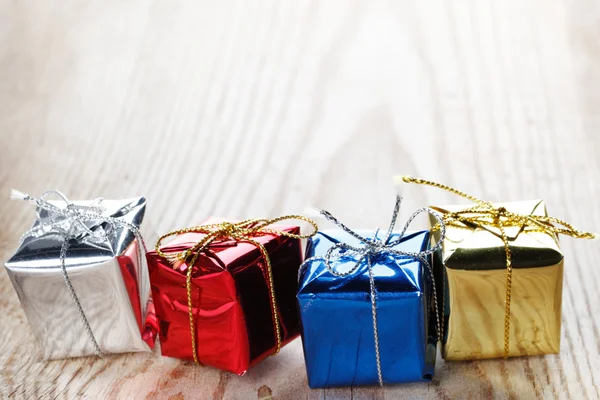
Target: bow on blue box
<point x="368" y="305"/>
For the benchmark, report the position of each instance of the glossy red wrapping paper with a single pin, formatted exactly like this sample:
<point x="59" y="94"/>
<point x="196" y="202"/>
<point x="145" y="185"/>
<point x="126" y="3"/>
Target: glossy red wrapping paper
<point x="230" y="294"/>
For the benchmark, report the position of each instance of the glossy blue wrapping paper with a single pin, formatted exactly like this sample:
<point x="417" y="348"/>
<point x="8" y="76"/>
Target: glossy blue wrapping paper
<point x="337" y="324"/>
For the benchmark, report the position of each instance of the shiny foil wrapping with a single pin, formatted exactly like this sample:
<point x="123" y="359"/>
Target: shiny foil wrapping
<point x="232" y="308"/>
<point x="337" y="325"/>
<point x="472" y="270"/>
<point x="114" y="291"/>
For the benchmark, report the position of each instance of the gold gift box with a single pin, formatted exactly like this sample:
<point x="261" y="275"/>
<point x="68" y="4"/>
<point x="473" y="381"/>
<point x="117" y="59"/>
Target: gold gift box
<point x="473" y="262"/>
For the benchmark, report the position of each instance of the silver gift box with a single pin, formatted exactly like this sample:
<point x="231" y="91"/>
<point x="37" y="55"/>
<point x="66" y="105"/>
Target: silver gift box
<point x="111" y="286"/>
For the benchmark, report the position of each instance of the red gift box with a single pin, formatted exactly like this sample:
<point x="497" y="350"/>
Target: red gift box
<point x="232" y="308"/>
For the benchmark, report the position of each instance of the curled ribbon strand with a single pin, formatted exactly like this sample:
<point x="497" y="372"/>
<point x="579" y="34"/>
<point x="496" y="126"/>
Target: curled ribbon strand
<point x="69" y="222"/>
<point x="485" y="213"/>
<point x="242" y="231"/>
<point x="369" y="250"/>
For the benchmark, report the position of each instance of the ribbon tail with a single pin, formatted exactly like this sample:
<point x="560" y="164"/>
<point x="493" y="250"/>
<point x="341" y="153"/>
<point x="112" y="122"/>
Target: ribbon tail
<point x="375" y="326"/>
<point x="388" y="236"/>
<point x="86" y="323"/>
<point x="17" y="195"/>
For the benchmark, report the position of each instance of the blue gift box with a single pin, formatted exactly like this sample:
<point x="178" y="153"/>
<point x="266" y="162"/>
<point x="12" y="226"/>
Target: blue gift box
<point x="336" y="313"/>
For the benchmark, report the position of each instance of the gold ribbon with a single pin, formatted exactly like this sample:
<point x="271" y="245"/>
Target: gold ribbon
<point x="486" y="214"/>
<point x="242" y="231"/>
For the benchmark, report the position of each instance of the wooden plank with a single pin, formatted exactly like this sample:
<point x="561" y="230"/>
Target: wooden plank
<point x="258" y="108"/>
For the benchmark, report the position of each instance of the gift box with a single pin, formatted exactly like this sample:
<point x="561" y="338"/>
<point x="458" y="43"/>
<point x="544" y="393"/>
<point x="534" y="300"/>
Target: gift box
<point x="232" y="313"/>
<point x="474" y="277"/>
<point x="100" y="303"/>
<point x="339" y="327"/>
<point x="500" y="273"/>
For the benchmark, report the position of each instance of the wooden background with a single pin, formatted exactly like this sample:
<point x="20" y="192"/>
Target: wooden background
<point x="240" y="108"/>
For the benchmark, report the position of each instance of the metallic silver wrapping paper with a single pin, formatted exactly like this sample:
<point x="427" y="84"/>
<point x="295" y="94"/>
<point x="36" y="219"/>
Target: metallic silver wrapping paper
<point x="115" y="307"/>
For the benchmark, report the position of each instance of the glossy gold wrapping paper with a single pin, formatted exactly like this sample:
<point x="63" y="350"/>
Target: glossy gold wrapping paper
<point x="472" y="271"/>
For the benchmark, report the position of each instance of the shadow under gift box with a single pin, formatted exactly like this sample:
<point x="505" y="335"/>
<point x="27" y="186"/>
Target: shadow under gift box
<point x="113" y="289"/>
<point x="230" y="296"/>
<point x="337" y="324"/>
<point x="472" y="273"/>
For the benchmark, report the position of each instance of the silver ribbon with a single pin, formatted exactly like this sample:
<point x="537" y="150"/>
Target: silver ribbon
<point x="69" y="222"/>
<point x="369" y="250"/>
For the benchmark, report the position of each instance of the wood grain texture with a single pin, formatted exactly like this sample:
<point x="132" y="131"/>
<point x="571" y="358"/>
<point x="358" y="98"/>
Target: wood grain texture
<point x="239" y="108"/>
